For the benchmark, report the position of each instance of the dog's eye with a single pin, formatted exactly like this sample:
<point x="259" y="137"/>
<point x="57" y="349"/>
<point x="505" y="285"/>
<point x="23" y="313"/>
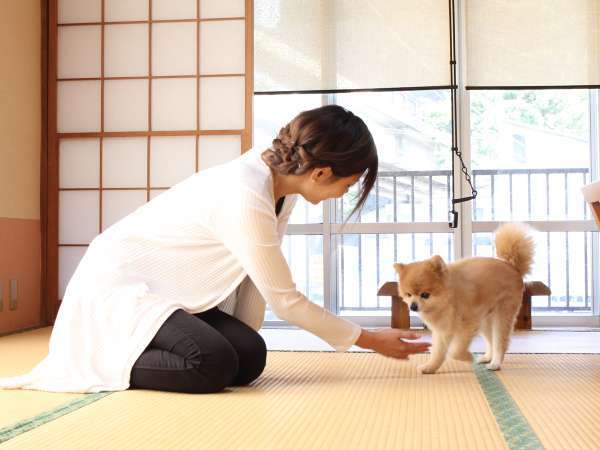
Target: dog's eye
<point x="425" y="295"/>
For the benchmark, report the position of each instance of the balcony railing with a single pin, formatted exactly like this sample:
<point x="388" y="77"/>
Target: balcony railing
<point x="364" y="259"/>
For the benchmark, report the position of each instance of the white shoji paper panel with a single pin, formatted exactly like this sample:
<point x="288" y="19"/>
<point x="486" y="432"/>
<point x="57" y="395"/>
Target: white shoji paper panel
<point x="68" y="260"/>
<point x="171" y="159"/>
<point x="156" y="192"/>
<point x="121" y="10"/>
<point x="79" y="11"/>
<point x="79" y="52"/>
<point x="222" y="47"/>
<point x="79" y="163"/>
<point x="215" y="150"/>
<point x="126" y="50"/>
<point x="174" y="104"/>
<point x="222" y="103"/>
<point x="124" y="162"/>
<point x="78" y="106"/>
<point x="78" y="216"/>
<point x="126" y="105"/>
<point x="174" y="48"/>
<point x="118" y="204"/>
<point x="173" y="9"/>
<point x="219" y="8"/>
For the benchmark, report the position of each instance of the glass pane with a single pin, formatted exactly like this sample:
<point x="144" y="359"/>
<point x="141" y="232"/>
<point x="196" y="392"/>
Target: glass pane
<point x="118" y="10"/>
<point x="79" y="11"/>
<point x="174" y="104"/>
<point x="174" y="48"/>
<point x="156" y="192"/>
<point x="215" y="150"/>
<point x="78" y="108"/>
<point x="68" y="260"/>
<point x="78" y="216"/>
<point x="79" y="163"/>
<point x="79" y="52"/>
<point x="413" y="135"/>
<point x="306" y="212"/>
<point x="126" y="50"/>
<point x="219" y="8"/>
<point x="222" y="103"/>
<point x="124" y="162"/>
<point x="118" y="204"/>
<point x="172" y="159"/>
<point x="126" y="105"/>
<point x="173" y="9"/>
<point x="222" y="47"/>
<point x="365" y="262"/>
<point x="563" y="261"/>
<point x="531" y="153"/>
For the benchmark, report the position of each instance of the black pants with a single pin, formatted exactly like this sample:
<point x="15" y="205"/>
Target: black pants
<point x="200" y="353"/>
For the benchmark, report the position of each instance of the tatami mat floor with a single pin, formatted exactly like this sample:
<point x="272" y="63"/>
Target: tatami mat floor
<point x="325" y="400"/>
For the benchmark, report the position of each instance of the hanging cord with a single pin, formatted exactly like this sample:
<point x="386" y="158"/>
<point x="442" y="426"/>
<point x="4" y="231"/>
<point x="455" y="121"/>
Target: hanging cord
<point x="454" y="221"/>
<point x="453" y="214"/>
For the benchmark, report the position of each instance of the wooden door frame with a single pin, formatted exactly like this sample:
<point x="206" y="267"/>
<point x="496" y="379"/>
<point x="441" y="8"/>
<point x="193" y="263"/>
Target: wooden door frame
<point x="49" y="162"/>
<point x="49" y="167"/>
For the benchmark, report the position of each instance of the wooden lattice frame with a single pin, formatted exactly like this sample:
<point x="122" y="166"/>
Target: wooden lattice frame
<point x="50" y="140"/>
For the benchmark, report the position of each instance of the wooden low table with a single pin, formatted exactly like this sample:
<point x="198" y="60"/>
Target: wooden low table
<point x="401" y="316"/>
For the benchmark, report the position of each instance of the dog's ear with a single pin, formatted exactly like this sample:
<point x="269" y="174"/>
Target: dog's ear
<point x="438" y="264"/>
<point x="398" y="267"/>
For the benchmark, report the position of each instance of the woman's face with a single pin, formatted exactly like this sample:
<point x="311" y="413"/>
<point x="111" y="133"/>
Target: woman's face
<point x="321" y="184"/>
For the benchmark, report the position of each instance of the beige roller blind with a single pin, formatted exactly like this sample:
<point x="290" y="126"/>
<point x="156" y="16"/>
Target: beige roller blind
<point x="321" y="45"/>
<point x="533" y="43"/>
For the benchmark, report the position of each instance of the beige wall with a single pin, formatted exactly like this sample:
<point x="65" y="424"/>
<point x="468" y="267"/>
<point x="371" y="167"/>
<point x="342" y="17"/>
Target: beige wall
<point x="20" y="140"/>
<point x="20" y="108"/>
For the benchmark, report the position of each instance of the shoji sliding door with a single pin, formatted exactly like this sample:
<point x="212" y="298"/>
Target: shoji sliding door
<point x="142" y="94"/>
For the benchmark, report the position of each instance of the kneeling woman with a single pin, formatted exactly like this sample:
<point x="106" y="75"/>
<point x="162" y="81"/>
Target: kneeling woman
<point x="146" y="306"/>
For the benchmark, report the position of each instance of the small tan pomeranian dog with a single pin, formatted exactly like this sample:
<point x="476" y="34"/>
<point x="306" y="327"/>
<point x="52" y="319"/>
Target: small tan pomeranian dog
<point x="472" y="295"/>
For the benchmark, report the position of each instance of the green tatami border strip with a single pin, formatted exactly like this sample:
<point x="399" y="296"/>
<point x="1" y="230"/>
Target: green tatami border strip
<point x="25" y="425"/>
<point x="515" y="428"/>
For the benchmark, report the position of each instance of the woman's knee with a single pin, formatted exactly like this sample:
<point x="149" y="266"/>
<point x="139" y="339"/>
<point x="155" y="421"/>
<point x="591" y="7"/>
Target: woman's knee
<point x="215" y="370"/>
<point x="252" y="359"/>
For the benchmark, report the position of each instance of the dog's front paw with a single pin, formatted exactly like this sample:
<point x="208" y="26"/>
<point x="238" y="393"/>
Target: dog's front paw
<point x="484" y="359"/>
<point x="426" y="369"/>
<point x="493" y="366"/>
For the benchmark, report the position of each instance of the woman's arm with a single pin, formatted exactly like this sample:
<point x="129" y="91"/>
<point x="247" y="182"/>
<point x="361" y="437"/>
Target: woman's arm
<point x="249" y="229"/>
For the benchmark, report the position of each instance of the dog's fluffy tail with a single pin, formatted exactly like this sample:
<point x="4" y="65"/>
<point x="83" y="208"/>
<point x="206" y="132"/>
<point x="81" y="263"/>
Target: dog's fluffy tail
<point x="514" y="245"/>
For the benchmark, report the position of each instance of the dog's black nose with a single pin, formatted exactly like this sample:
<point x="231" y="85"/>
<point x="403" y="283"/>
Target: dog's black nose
<point x="414" y="307"/>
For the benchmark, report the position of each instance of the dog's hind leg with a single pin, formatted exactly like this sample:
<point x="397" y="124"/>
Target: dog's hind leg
<point x="502" y="324"/>
<point x="486" y="333"/>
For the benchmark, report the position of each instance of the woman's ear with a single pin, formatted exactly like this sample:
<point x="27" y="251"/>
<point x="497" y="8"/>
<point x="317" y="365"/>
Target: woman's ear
<point x="320" y="174"/>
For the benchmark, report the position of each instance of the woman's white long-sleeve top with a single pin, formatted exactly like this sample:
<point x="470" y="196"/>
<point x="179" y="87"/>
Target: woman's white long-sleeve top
<point x="188" y="248"/>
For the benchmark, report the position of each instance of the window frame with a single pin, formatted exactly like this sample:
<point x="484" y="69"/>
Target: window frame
<point x="463" y="235"/>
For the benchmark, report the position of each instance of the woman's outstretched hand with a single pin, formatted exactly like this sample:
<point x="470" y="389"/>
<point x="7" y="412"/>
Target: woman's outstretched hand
<point x="390" y="342"/>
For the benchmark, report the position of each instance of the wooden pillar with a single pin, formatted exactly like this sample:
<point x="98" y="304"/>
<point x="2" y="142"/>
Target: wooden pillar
<point x="531" y="288"/>
<point x="400" y="315"/>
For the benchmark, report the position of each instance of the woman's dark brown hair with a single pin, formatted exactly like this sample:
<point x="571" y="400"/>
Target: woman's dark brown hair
<point x="329" y="136"/>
